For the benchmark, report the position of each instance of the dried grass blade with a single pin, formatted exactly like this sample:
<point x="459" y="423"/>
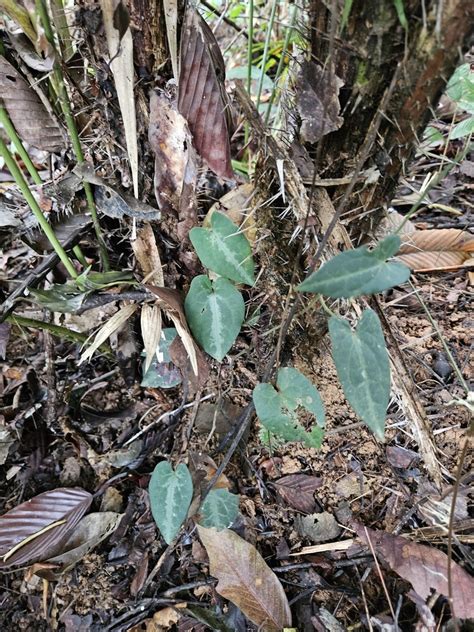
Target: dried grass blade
<point x="110" y="327"/>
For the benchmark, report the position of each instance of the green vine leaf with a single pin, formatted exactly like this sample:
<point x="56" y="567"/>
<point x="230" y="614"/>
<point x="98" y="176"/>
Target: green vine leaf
<point x="215" y="312"/>
<point x="225" y="250"/>
<point x="171" y="492"/>
<point x="359" y="271"/>
<point x="278" y="410"/>
<point x="219" y="509"/>
<point x="363" y="367"/>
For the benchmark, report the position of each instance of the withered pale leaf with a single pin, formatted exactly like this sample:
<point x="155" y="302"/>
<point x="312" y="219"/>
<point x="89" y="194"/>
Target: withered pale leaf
<point x="171" y="18"/>
<point x="90" y="532"/>
<point x="426" y="568"/>
<point x="173" y="306"/>
<point x="32" y="121"/>
<point x="202" y="99"/>
<point x="297" y="490"/>
<point x="175" y="159"/>
<point x="150" y="320"/>
<point x="110" y="327"/>
<point x="64" y="506"/>
<point x="120" y="47"/>
<point x="246" y="580"/>
<point x="317" y="101"/>
<point x="236" y="206"/>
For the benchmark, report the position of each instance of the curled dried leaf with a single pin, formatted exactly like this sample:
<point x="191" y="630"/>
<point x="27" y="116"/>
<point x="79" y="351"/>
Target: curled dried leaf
<point x="202" y="98"/>
<point x="34" y="530"/>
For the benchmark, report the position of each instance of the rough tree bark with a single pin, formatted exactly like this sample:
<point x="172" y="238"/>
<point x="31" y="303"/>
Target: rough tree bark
<point x="372" y="48"/>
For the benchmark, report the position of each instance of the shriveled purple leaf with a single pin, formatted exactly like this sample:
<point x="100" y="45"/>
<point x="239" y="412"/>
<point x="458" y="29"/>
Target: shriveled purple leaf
<point x="202" y="98"/>
<point x="35" y="515"/>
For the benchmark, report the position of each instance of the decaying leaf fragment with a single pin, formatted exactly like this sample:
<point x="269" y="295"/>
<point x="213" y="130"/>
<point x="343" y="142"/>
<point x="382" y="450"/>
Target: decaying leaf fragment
<point x="202" y="98"/>
<point x="317" y="101"/>
<point x="175" y="160"/>
<point x="246" y="580"/>
<point x="32" y="121"/>
<point x="426" y="568"/>
<point x="34" y="530"/>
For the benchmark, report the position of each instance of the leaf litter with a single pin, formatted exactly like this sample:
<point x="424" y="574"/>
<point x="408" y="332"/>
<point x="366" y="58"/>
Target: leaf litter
<point x="351" y="476"/>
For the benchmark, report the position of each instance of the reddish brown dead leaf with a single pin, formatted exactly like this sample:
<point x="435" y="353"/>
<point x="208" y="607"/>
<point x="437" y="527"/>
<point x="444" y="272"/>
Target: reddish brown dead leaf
<point x="175" y="159"/>
<point x="202" y="99"/>
<point x="64" y="506"/>
<point x="436" y="249"/>
<point x="297" y="490"/>
<point x="246" y="580"/>
<point x="32" y="121"/>
<point x="424" y="567"/>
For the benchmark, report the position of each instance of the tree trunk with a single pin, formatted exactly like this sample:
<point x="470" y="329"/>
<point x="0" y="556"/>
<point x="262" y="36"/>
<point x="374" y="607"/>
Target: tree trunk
<point x="373" y="49"/>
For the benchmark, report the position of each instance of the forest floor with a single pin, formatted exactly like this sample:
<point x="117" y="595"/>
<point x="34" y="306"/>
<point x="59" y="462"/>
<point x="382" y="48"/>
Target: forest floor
<point x="100" y="427"/>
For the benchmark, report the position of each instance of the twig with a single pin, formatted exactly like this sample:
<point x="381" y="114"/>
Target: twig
<point x="387" y="595"/>
<point x="169" y="413"/>
<point x="33" y="278"/>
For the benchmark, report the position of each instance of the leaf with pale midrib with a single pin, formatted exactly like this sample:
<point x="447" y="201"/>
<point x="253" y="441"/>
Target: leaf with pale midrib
<point x="171" y="492"/>
<point x="363" y="367"/>
<point x="359" y="271"/>
<point x="215" y="312"/>
<point x="224" y="249"/>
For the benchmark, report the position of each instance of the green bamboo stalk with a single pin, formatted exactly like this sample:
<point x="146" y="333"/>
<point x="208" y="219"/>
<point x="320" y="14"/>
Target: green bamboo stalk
<point x="286" y="43"/>
<point x="71" y="125"/>
<point x="15" y="139"/>
<point x="62" y="29"/>
<point x="37" y="212"/>
<point x="56" y="330"/>
<point x="21" y="151"/>
<point x="249" y="62"/>
<point x="265" y="51"/>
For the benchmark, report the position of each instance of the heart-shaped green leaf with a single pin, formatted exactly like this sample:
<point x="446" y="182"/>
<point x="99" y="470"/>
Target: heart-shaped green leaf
<point x="278" y="410"/>
<point x="215" y="312"/>
<point x="224" y="249"/>
<point x="219" y="509"/>
<point x="359" y="271"/>
<point x="363" y="367"/>
<point x="171" y="493"/>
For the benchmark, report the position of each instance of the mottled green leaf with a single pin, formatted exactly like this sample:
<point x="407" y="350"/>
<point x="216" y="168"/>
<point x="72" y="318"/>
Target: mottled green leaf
<point x="65" y="299"/>
<point x="219" y="509"/>
<point x="224" y="249"/>
<point x="359" y="271"/>
<point x="363" y="367"/>
<point x="215" y="312"/>
<point x="162" y="373"/>
<point x="278" y="409"/>
<point x="171" y="492"/>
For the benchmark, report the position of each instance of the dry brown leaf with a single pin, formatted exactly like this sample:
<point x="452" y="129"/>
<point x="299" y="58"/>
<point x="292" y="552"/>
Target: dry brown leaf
<point x="120" y="47"/>
<point x="175" y="159"/>
<point x="437" y="239"/>
<point x="297" y="490"/>
<point x="246" y="580"/>
<point x="202" y="98"/>
<point x="34" y="530"/>
<point x="147" y="254"/>
<point x="32" y="121"/>
<point x="317" y="101"/>
<point x="424" y="567"/>
<point x="436" y="249"/>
